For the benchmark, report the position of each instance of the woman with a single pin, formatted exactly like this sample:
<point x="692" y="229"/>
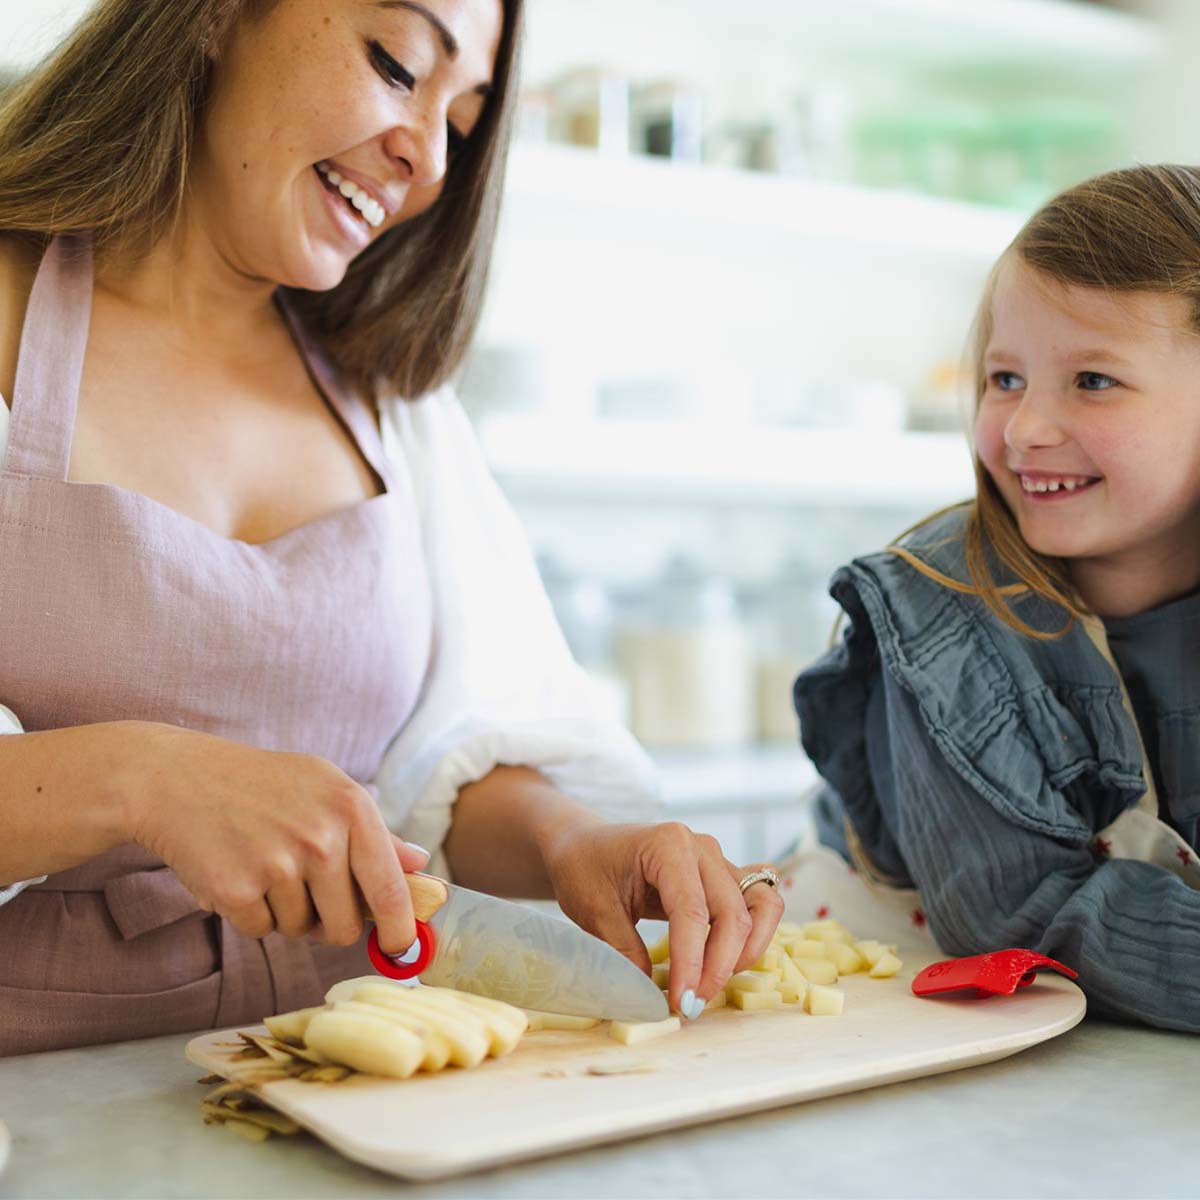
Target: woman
<point x="258" y="611"/>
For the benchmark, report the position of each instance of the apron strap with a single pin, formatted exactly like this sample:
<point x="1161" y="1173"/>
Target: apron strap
<point x="50" y="361"/>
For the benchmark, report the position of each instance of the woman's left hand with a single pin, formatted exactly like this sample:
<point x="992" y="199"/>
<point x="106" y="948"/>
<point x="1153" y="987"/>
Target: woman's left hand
<point x="607" y="877"/>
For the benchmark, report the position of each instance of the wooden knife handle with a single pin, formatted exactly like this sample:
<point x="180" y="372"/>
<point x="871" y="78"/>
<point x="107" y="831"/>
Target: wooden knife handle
<point x="428" y="894"/>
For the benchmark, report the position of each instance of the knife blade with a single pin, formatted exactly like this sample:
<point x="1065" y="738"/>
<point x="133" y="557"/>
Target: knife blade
<point x="510" y="952"/>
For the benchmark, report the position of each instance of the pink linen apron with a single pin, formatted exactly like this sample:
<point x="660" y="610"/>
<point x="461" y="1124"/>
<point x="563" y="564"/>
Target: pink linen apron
<point x="116" y="607"/>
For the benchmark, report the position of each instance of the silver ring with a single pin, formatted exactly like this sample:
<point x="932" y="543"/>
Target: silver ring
<point x="762" y="875"/>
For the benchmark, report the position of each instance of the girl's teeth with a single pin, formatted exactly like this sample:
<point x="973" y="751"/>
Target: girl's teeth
<point x="1052" y="485"/>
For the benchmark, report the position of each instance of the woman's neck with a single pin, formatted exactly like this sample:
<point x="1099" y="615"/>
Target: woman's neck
<point x="193" y="292"/>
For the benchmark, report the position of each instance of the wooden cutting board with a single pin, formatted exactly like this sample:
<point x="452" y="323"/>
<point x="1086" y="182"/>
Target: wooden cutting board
<point x="554" y="1093"/>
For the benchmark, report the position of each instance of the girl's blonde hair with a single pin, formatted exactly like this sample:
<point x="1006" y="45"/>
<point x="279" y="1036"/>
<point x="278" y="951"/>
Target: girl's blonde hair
<point x="1133" y="230"/>
<point x="99" y="137"/>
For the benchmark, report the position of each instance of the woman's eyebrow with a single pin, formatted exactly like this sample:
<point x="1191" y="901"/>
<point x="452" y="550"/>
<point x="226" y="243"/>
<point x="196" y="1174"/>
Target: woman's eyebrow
<point x="449" y="41"/>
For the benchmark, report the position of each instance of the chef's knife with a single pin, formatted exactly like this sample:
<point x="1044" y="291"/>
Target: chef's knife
<point x="496" y="948"/>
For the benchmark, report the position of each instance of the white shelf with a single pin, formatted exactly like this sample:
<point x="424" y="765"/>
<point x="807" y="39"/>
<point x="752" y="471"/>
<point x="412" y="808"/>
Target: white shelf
<point x="538" y="456"/>
<point x="1059" y="37"/>
<point x="638" y="197"/>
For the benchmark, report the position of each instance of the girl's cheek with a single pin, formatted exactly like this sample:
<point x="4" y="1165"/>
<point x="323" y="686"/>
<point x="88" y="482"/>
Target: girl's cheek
<point x="989" y="437"/>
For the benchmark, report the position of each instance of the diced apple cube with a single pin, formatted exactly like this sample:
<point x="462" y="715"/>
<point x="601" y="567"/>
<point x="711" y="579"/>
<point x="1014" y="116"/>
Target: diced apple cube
<point x="661" y="950"/>
<point x="793" y="985"/>
<point x="808" y="948"/>
<point x="628" y="1033"/>
<point x="769" y="960"/>
<point x="751" y="1001"/>
<point x="661" y="974"/>
<point x="886" y="966"/>
<point x="846" y="959"/>
<point x="871" y="950"/>
<point x="817" y="970"/>
<point x="752" y="981"/>
<point x="824" y="1001"/>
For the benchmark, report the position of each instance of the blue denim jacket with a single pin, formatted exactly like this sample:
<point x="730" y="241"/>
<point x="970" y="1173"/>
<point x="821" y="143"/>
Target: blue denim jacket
<point x="978" y="764"/>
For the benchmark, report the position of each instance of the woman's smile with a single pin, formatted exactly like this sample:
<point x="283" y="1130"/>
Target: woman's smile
<point x="349" y="221"/>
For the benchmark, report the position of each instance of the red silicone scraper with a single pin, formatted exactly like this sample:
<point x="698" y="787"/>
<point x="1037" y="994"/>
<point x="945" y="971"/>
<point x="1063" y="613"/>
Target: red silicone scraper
<point x="997" y="974"/>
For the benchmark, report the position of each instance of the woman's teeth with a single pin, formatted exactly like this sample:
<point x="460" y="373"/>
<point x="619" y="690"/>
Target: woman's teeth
<point x="367" y="207"/>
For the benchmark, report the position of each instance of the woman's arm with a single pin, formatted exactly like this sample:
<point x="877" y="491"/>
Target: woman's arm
<point x="515" y="834"/>
<point x="57" y="806"/>
<point x="269" y="840"/>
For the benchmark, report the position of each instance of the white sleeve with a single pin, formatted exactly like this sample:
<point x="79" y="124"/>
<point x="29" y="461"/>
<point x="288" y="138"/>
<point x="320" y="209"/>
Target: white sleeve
<point x="502" y="687"/>
<point x="10" y="724"/>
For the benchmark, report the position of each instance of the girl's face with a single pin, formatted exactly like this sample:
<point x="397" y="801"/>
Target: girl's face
<point x="1090" y="422"/>
<point x="380" y="93"/>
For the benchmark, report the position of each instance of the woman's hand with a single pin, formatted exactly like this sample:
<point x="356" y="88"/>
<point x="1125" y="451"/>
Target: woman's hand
<point x="607" y="877"/>
<point x="268" y="840"/>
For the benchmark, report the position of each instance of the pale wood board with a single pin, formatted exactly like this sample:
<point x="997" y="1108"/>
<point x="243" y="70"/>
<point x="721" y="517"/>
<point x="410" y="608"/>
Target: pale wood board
<point x="541" y="1099"/>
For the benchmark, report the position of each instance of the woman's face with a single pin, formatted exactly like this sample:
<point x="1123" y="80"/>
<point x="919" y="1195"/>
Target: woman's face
<point x="1090" y="421"/>
<point x="318" y="98"/>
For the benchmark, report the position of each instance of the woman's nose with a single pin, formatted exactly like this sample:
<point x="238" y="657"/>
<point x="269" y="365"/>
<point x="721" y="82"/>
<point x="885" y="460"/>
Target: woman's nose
<point x="421" y="142"/>
<point x="1034" y="423"/>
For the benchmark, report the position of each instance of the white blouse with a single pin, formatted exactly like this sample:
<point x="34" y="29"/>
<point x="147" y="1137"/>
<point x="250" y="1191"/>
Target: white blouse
<point x="501" y="688"/>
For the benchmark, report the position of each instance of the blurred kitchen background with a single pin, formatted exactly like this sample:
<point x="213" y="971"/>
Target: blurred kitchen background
<point x="741" y="250"/>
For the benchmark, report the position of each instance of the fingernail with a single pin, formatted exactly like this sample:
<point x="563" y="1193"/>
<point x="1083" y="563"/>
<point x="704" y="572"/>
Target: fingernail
<point x="418" y="849"/>
<point x="698" y="1006"/>
<point x="687" y="1002"/>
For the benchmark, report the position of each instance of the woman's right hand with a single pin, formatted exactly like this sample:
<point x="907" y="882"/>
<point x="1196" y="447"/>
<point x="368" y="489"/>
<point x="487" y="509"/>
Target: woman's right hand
<point x="268" y="840"/>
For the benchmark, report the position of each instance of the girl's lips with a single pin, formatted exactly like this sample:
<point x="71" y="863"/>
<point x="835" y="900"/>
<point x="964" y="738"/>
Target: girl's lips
<point x="353" y="230"/>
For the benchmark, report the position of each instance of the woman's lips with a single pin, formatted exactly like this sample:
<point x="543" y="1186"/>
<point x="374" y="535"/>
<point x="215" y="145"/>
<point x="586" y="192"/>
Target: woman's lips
<point x="353" y="229"/>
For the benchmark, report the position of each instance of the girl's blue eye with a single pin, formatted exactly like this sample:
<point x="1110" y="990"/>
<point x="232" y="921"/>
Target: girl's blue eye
<point x="1093" y="381"/>
<point x="394" y="72"/>
<point x="1007" y="381"/>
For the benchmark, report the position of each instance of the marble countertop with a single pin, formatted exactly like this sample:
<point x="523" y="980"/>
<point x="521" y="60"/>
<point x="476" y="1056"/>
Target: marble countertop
<point x="1103" y="1110"/>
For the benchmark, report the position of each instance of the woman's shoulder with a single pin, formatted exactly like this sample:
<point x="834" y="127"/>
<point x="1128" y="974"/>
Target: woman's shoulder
<point x="18" y="266"/>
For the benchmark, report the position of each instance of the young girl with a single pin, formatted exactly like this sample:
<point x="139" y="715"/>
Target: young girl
<point x="1011" y="723"/>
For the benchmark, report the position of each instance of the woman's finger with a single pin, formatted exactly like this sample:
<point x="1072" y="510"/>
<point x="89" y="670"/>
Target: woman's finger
<point x="253" y="919"/>
<point x="291" y="907"/>
<point x="675" y="875"/>
<point x="730" y="926"/>
<point x="412" y="857"/>
<point x="379" y="875"/>
<point x="765" y="906"/>
<point x="339" y="906"/>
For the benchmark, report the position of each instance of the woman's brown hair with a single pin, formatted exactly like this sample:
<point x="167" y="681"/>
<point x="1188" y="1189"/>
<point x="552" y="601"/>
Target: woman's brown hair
<point x="1133" y="230"/>
<point x="99" y="137"/>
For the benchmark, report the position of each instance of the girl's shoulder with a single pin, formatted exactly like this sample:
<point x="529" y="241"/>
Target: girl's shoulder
<point x="18" y="267"/>
<point x="1022" y="720"/>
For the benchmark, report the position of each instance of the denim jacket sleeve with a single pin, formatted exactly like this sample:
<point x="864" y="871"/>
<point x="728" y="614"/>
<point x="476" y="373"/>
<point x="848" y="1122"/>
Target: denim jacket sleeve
<point x="1131" y="930"/>
<point x="979" y="765"/>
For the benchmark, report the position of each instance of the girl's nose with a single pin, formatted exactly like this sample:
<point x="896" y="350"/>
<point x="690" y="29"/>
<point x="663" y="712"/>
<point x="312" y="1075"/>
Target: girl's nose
<point x="421" y="143"/>
<point x="1033" y="423"/>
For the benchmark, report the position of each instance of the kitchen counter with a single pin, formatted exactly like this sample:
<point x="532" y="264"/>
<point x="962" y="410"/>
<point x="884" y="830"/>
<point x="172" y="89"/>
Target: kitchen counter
<point x="1103" y="1110"/>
